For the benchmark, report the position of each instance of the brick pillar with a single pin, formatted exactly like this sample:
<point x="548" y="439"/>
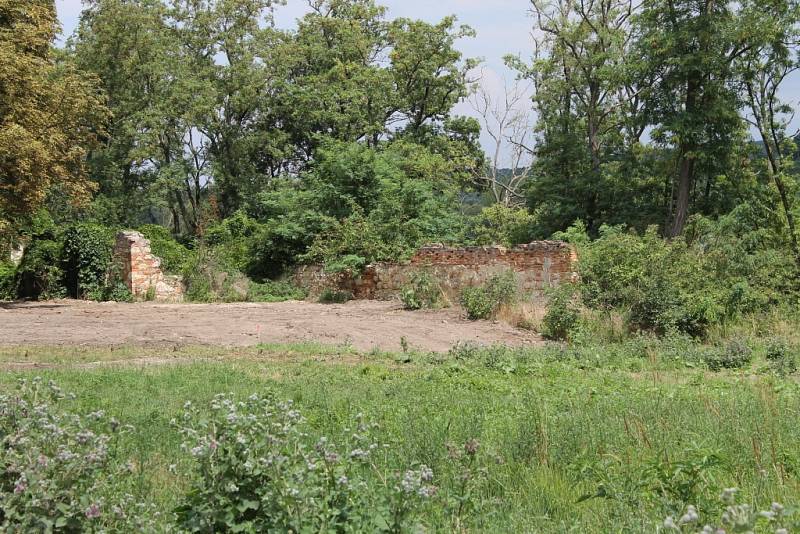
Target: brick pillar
<point x="141" y="270"/>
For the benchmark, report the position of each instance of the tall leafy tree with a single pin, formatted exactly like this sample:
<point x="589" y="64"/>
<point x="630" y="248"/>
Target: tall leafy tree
<point x="763" y="70"/>
<point x="689" y="48"/>
<point x="588" y="100"/>
<point x="50" y="114"/>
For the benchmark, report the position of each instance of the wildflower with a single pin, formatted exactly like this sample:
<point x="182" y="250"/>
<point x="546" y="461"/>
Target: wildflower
<point x="728" y="495"/>
<point x="409" y="482"/>
<point x="84" y="437"/>
<point x="21" y="485"/>
<point x="358" y="454"/>
<point x="426" y="473"/>
<point x="213" y="444"/>
<point x="690" y="516"/>
<point x="426" y="492"/>
<point x="471" y="446"/>
<point x="343" y="480"/>
<point x="65" y="455"/>
<point x="233" y="488"/>
<point x="669" y="523"/>
<point x="93" y="512"/>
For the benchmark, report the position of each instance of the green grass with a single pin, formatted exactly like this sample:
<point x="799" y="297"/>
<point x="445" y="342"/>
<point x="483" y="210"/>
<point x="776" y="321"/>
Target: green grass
<point x="554" y="431"/>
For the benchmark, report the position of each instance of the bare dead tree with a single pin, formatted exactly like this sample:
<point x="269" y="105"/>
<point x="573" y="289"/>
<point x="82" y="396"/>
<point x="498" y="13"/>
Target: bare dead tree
<point x="506" y="119"/>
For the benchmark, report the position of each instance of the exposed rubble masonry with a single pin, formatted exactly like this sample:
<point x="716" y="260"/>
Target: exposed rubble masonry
<point x="141" y="270"/>
<point x="537" y="266"/>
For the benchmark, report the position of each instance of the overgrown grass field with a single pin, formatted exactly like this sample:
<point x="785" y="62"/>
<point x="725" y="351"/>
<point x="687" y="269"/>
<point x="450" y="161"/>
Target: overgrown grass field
<point x="567" y="441"/>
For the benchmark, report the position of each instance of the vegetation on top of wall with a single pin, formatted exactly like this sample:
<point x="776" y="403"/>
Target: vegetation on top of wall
<point x="174" y="256"/>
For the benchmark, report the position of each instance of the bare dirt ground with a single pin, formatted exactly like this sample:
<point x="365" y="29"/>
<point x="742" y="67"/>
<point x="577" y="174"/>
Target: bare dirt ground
<point x="362" y="324"/>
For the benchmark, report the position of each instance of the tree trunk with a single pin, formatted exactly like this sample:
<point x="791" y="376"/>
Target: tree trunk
<point x="685" y="176"/>
<point x="685" y="167"/>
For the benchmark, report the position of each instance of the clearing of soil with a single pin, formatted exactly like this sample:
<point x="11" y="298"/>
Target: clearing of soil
<point x="362" y="324"/>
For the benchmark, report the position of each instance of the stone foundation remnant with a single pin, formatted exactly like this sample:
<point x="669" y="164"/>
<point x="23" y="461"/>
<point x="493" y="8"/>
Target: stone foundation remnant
<point x="537" y="266"/>
<point x="141" y="270"/>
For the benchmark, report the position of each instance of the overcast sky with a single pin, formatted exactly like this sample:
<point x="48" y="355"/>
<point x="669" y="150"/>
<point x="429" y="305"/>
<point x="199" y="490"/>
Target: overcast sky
<point x="502" y="26"/>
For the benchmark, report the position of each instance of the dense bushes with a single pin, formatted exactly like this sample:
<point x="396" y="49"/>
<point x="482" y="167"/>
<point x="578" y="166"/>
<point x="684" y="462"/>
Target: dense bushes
<point x="39" y="274"/>
<point x="8" y="281"/>
<point x="86" y="257"/>
<point x="209" y="277"/>
<point x="501" y="225"/>
<point x="75" y="262"/>
<point x="716" y="273"/>
<point x="359" y="203"/>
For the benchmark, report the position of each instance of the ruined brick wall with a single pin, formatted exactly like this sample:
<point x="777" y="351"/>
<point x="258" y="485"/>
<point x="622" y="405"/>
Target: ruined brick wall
<point x="141" y="270"/>
<point x="537" y="265"/>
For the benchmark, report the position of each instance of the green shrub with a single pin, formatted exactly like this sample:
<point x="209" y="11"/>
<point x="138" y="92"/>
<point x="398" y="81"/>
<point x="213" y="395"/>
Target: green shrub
<point x="349" y="263"/>
<point x="562" y="314"/>
<point x="271" y="291"/>
<point x="735" y="355"/>
<point x="334" y="296"/>
<point x="39" y="274"/>
<point x="233" y="241"/>
<point x="718" y="271"/>
<point x="8" y="281"/>
<point x="258" y="469"/>
<point x="483" y="302"/>
<point x="502" y="225"/>
<point x="422" y="292"/>
<point x="780" y="356"/>
<point x="174" y="256"/>
<point x="87" y="258"/>
<point x="477" y="302"/>
<point x="117" y="291"/>
<point x="207" y="279"/>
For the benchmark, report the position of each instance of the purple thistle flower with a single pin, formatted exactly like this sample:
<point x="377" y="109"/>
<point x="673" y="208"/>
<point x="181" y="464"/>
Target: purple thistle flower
<point x="93" y="512"/>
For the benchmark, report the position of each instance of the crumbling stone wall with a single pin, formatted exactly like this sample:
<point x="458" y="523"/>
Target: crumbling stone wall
<point x="537" y="266"/>
<point x="141" y="270"/>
